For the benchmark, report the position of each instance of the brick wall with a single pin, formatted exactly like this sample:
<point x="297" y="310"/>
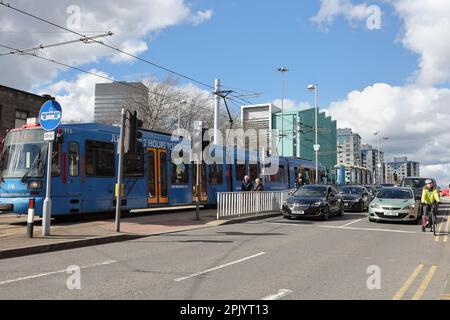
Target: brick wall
<point x="12" y="100"/>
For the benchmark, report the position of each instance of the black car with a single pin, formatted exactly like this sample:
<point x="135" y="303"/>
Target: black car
<point x="314" y="201"/>
<point x="356" y="198"/>
<point x="372" y="190"/>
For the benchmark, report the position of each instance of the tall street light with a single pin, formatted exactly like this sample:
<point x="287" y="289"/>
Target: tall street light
<point x="385" y="161"/>
<point x="315" y="88"/>
<point x="378" y="157"/>
<point x="282" y="70"/>
<point x="182" y="102"/>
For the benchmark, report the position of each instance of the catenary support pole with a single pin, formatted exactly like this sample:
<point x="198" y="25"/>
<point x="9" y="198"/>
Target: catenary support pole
<point x="120" y="171"/>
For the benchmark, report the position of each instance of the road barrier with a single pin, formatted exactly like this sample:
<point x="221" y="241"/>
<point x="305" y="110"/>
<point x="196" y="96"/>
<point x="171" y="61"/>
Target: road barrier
<point x="236" y="204"/>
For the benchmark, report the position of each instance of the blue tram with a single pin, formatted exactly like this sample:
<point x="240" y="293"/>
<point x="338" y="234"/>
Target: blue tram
<point x="84" y="172"/>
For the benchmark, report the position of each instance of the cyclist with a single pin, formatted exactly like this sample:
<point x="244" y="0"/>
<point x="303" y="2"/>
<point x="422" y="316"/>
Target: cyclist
<point x="430" y="197"/>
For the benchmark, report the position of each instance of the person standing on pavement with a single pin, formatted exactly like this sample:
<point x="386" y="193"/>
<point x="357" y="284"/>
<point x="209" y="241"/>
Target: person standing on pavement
<point x="259" y="187"/>
<point x="247" y="185"/>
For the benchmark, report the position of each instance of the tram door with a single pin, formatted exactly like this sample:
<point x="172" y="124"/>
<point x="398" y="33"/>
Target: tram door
<point x="203" y="187"/>
<point x="157" y="177"/>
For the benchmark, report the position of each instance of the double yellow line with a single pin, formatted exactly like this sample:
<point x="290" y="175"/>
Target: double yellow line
<point x="423" y="286"/>
<point x="446" y="231"/>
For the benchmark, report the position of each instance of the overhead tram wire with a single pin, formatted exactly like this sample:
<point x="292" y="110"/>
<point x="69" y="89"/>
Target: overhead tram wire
<point x="91" y="73"/>
<point x="7" y="5"/>
<point x="53" y="45"/>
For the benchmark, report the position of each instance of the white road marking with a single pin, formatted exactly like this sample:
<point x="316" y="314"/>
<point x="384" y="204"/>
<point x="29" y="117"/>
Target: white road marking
<point x="351" y="223"/>
<point x="219" y="267"/>
<point x="280" y="295"/>
<point x="370" y="229"/>
<point x="56" y="272"/>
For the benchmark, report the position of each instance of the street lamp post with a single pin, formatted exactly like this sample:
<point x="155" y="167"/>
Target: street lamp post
<point x="315" y="88"/>
<point x="386" y="162"/>
<point x="182" y="102"/>
<point x="378" y="158"/>
<point x="282" y="70"/>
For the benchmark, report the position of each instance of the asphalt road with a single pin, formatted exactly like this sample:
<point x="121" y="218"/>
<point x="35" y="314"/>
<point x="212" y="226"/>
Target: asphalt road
<point x="266" y="259"/>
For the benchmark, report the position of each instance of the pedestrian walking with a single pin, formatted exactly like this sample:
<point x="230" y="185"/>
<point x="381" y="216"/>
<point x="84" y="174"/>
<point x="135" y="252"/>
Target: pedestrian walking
<point x="259" y="187"/>
<point x="247" y="185"/>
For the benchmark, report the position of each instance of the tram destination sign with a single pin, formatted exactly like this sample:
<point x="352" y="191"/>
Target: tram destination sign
<point x="50" y="115"/>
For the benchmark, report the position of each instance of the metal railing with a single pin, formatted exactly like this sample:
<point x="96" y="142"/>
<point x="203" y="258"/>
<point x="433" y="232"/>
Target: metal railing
<point x="236" y="204"/>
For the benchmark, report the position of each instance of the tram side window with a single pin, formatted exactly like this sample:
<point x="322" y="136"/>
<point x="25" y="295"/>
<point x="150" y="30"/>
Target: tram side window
<point x="100" y="159"/>
<point x="56" y="160"/>
<point x="216" y="174"/>
<point x="134" y="163"/>
<point x="253" y="172"/>
<point x="180" y="174"/>
<point x="241" y="171"/>
<point x="74" y="159"/>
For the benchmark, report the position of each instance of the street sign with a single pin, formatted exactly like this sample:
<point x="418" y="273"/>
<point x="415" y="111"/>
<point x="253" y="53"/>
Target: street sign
<point x="317" y="147"/>
<point x="49" y="136"/>
<point x="50" y="115"/>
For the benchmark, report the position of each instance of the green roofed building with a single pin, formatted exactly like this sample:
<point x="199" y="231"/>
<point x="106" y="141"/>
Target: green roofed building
<point x="298" y="138"/>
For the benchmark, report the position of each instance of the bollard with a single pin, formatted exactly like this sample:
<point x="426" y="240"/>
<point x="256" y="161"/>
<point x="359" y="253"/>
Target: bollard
<point x="30" y="222"/>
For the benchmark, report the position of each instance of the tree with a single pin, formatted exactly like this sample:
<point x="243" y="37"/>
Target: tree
<point x="159" y="109"/>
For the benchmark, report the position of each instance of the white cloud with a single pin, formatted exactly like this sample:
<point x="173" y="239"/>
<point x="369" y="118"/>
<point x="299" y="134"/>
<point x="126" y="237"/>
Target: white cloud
<point x="416" y="116"/>
<point x="202" y="16"/>
<point x="425" y="31"/>
<point x="133" y="23"/>
<point x="331" y="9"/>
<point x="291" y="105"/>
<point x="416" y="120"/>
<point x="77" y="97"/>
<point x="426" y="25"/>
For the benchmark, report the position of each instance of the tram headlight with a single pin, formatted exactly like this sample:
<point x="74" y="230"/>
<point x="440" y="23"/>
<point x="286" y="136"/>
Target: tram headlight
<point x="35" y="185"/>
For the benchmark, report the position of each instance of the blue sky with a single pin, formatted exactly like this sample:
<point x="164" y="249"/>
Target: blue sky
<point x="246" y="41"/>
<point x="395" y="80"/>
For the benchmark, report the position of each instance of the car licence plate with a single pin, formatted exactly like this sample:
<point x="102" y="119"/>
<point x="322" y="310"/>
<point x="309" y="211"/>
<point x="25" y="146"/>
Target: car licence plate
<point x="299" y="212"/>
<point x="391" y="214"/>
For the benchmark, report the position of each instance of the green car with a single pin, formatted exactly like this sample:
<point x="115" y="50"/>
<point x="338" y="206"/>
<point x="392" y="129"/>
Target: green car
<point x="394" y="204"/>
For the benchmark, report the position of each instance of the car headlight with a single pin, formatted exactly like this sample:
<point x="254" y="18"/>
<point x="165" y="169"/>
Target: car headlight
<point x="411" y="207"/>
<point x="317" y="204"/>
<point x="375" y="206"/>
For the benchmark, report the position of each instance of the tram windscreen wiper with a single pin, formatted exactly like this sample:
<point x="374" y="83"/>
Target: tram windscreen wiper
<point x="34" y="165"/>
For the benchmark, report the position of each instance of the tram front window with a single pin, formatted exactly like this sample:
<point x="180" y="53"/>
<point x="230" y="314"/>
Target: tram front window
<point x="24" y="154"/>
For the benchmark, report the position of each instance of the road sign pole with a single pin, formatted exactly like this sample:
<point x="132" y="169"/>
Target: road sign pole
<point x="47" y="210"/>
<point x="50" y="118"/>
<point x="120" y="171"/>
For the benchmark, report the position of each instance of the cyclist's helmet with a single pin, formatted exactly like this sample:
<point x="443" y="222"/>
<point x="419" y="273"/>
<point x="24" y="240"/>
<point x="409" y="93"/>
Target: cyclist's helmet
<point x="428" y="181"/>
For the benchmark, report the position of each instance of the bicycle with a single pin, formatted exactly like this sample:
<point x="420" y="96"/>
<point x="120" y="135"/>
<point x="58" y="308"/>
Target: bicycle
<point x="432" y="218"/>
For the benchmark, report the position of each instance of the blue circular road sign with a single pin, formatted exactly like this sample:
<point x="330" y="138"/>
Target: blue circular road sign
<point x="50" y="115"/>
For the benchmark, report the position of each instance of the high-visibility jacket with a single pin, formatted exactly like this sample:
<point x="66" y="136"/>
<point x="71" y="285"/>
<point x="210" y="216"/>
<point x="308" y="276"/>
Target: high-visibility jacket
<point x="430" y="196"/>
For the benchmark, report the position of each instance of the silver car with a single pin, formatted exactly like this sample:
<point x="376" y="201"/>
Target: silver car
<point x="394" y="204"/>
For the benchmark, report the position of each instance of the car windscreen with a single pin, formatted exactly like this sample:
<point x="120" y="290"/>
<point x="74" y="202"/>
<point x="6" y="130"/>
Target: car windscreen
<point x="401" y="194"/>
<point x="311" y="192"/>
<point x="414" y="183"/>
<point x="352" y="190"/>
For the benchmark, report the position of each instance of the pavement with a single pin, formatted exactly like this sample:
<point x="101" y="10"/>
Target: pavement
<point x="345" y="258"/>
<point x="76" y="232"/>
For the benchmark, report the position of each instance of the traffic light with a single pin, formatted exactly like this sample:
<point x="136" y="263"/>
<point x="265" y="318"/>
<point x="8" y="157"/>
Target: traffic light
<point x="132" y="133"/>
